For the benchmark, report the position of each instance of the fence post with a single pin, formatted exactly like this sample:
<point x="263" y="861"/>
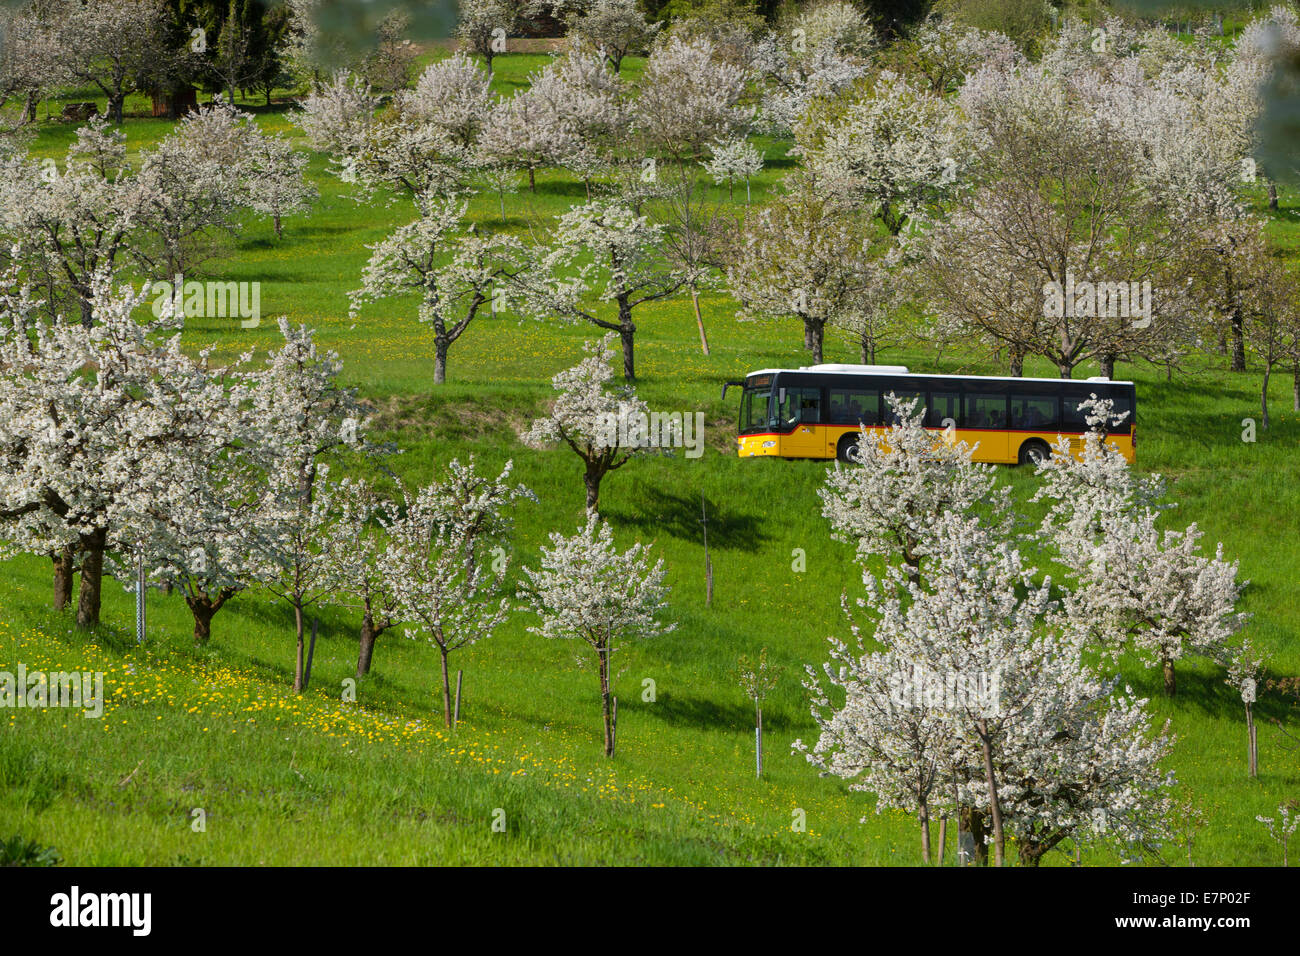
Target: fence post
<point x="139" y="599"/>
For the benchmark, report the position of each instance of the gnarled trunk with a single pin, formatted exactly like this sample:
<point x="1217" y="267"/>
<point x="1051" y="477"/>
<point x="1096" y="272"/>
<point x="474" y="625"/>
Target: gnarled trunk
<point x="203" y="612"/>
<point x="92" y="575"/>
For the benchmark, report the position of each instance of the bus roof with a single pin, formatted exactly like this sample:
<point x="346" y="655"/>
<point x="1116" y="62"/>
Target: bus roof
<point x="894" y="371"/>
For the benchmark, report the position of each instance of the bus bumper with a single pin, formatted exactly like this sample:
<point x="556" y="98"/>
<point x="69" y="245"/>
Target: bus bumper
<point x="753" y="446"/>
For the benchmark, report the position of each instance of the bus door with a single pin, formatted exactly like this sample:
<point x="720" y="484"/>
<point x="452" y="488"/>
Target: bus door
<point x="799" y="410"/>
<point x="984" y="420"/>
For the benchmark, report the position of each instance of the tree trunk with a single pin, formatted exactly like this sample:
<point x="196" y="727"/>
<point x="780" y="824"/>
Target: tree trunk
<point x="279" y="230"/>
<point x="532" y="179"/>
<point x="1295" y="389"/>
<point x="995" y="808"/>
<point x="440" y="347"/>
<point x="115" y="107"/>
<point x="1263" y="395"/>
<point x="699" y="319"/>
<point x="943" y="836"/>
<point x="924" y="814"/>
<point x="973" y="822"/>
<point x="298" y="664"/>
<point x="627" y="334"/>
<point x="603" y="659"/>
<point x="1065" y="368"/>
<point x="1238" y="342"/>
<point x="1171" y="685"/>
<point x="1030" y="852"/>
<point x="592" y="481"/>
<point x="92" y="574"/>
<point x="64" y="569"/>
<point x="807" y="336"/>
<point x="203" y="612"/>
<point x="1272" y="194"/>
<point x="367" y="651"/>
<point x="1017" y="363"/>
<point x="818" y="331"/>
<point x="446" y="687"/>
<point x="1107" y="363"/>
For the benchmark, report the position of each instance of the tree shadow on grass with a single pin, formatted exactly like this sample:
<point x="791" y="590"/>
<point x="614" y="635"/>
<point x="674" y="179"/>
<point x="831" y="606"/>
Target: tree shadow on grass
<point x="570" y="189"/>
<point x="1207" y="692"/>
<point x="706" y="714"/>
<point x="678" y="515"/>
<point x="781" y="162"/>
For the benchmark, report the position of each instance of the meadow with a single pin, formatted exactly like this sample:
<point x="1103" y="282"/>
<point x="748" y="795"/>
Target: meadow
<point x="284" y="780"/>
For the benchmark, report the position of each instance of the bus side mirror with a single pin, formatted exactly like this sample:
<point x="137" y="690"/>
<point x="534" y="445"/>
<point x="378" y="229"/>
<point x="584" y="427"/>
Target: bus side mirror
<point x="780" y="396"/>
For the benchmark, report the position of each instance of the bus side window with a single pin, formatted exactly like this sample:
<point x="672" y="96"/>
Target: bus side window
<point x="810" y="405"/>
<point x="854" y="406"/>
<point x="892" y="417"/>
<point x="1034" y="412"/>
<point x="985" y="411"/>
<point x="942" y="406"/>
<point x="1073" y="418"/>
<point x="1123" y="403"/>
<point x="801" y="405"/>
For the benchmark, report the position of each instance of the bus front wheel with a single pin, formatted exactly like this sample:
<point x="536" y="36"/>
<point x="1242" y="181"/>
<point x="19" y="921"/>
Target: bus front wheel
<point x="1034" y="451"/>
<point x="847" y="450"/>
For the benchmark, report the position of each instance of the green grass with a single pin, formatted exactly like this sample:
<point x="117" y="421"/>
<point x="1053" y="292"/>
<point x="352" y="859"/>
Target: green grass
<point x="285" y="780"/>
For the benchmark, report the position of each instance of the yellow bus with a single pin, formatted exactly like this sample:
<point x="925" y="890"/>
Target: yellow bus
<point x="817" y="411"/>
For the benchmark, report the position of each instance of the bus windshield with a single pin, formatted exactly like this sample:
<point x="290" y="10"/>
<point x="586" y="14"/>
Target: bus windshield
<point x="754" y="414"/>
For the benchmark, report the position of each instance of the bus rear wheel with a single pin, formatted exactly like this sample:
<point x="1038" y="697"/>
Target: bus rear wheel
<point x="1034" y="451"/>
<point x="847" y="450"/>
